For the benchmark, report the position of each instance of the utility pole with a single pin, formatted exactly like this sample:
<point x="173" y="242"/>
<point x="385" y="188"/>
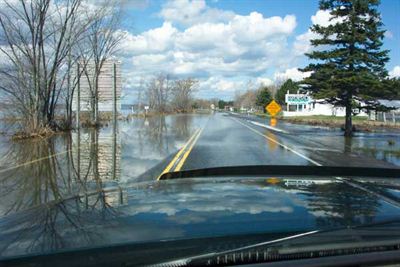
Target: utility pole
<point x="114" y="136"/>
<point x="78" y="100"/>
<point x="115" y="94"/>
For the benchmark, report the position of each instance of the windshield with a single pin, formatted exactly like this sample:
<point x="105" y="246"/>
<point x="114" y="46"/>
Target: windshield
<point x="281" y="117"/>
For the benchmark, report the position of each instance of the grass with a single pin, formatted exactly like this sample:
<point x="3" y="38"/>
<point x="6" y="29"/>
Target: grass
<point x="360" y="123"/>
<point x="328" y="118"/>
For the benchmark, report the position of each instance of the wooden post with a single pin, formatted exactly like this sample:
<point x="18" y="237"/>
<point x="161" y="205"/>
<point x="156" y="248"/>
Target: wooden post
<point x="114" y="135"/>
<point x="78" y="98"/>
<point x="393" y="117"/>
<point x="115" y="93"/>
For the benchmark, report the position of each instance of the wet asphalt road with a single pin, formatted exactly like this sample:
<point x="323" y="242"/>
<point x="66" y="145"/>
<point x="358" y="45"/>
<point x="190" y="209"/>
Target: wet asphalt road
<point x="232" y="139"/>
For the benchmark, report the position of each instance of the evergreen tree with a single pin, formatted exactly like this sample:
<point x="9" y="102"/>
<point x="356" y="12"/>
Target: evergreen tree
<point x="290" y="86"/>
<point x="263" y="97"/>
<point x="349" y="62"/>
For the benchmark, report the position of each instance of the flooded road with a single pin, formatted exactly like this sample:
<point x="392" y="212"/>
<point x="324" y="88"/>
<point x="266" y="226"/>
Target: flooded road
<point x="93" y="188"/>
<point x="34" y="172"/>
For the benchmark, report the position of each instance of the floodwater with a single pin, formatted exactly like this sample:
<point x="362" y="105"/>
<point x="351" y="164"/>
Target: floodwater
<point x="34" y="172"/>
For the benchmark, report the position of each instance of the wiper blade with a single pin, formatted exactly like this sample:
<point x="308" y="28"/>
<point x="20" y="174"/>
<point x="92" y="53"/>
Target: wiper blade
<point x="286" y="170"/>
<point x="188" y="261"/>
<point x="218" y="257"/>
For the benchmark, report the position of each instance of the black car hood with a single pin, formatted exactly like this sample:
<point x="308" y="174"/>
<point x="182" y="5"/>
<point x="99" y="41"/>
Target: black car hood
<point x="196" y="208"/>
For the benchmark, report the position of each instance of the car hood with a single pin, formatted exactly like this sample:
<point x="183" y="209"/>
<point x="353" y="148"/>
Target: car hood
<point x="197" y="208"/>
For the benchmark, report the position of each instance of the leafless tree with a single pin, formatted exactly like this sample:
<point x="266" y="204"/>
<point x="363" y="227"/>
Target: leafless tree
<point x="157" y="93"/>
<point x="100" y="43"/>
<point x="37" y="34"/>
<point x="41" y="43"/>
<point x="246" y="100"/>
<point x="182" y="94"/>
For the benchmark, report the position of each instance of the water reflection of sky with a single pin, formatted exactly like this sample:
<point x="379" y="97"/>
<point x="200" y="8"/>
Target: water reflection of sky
<point x="188" y="209"/>
<point x="383" y="145"/>
<point x="37" y="171"/>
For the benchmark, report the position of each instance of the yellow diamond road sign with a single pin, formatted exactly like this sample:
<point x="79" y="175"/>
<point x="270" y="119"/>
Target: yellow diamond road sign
<point x="273" y="108"/>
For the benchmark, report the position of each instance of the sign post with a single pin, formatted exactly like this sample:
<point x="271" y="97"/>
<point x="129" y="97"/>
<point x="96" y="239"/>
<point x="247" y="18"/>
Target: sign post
<point x="273" y="108"/>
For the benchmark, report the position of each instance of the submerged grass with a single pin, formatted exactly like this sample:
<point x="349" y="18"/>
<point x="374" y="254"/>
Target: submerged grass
<point x="360" y="123"/>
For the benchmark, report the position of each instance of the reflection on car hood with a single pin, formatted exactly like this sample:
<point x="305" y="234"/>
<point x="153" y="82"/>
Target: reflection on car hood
<point x="195" y="208"/>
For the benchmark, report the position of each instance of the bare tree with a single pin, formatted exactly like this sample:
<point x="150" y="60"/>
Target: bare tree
<point x="157" y="93"/>
<point x="42" y="42"/>
<point x="37" y="34"/>
<point x="99" y="45"/>
<point x="246" y="100"/>
<point x="182" y="94"/>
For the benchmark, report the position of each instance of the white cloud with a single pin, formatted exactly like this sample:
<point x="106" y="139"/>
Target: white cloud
<point x="153" y="41"/>
<point x="225" y="48"/>
<point x="263" y="81"/>
<point x="395" y="72"/>
<point x="255" y="27"/>
<point x="389" y="34"/>
<point x="213" y="50"/>
<point x="322" y="17"/>
<point x="190" y="12"/>
<point x="292" y="73"/>
<point x="219" y="87"/>
<point x="302" y="43"/>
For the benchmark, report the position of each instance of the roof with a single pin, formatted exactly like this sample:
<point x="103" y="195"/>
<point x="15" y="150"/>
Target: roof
<point x="389" y="103"/>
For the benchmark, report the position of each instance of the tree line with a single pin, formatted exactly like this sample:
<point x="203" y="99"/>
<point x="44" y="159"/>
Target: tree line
<point x="257" y="99"/>
<point x="164" y="94"/>
<point x="47" y="47"/>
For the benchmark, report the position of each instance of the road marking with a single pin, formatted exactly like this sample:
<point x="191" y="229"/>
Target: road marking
<point x="40" y="159"/>
<point x="177" y="156"/>
<point x="268" y="127"/>
<point x="282" y="145"/>
<point x="34" y="161"/>
<point x="320" y="149"/>
<point x="180" y="164"/>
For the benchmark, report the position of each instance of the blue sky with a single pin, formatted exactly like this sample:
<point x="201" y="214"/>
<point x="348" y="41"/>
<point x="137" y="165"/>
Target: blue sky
<point x="228" y="45"/>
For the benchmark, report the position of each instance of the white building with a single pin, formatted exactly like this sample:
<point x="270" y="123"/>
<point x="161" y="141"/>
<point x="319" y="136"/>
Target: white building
<point x="305" y="105"/>
<point x="105" y="87"/>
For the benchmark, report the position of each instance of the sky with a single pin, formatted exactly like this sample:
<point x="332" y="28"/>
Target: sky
<point x="229" y="46"/>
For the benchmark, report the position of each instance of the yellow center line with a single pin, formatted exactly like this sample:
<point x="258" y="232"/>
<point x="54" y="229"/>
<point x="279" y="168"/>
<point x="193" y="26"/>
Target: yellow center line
<point x="177" y="156"/>
<point x="40" y="159"/>
<point x="280" y="144"/>
<point x="34" y="161"/>
<point x="182" y="161"/>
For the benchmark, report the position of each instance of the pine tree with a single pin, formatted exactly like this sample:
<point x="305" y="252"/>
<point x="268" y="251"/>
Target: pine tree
<point x="349" y="62"/>
<point x="290" y="86"/>
<point x="263" y="97"/>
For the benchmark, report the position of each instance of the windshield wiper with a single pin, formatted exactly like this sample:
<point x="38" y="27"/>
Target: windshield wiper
<point x="286" y="170"/>
<point x="331" y="242"/>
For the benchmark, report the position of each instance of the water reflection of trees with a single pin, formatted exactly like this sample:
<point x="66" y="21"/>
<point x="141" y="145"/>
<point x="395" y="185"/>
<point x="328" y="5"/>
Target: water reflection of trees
<point x="45" y="170"/>
<point x="340" y="204"/>
<point x="156" y="132"/>
<point x="182" y="126"/>
<point x="59" y="183"/>
<point x="68" y="223"/>
<point x="161" y="134"/>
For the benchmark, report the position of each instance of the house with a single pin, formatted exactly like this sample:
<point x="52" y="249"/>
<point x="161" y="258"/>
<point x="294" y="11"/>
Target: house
<point x="392" y="114"/>
<point x="305" y="105"/>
